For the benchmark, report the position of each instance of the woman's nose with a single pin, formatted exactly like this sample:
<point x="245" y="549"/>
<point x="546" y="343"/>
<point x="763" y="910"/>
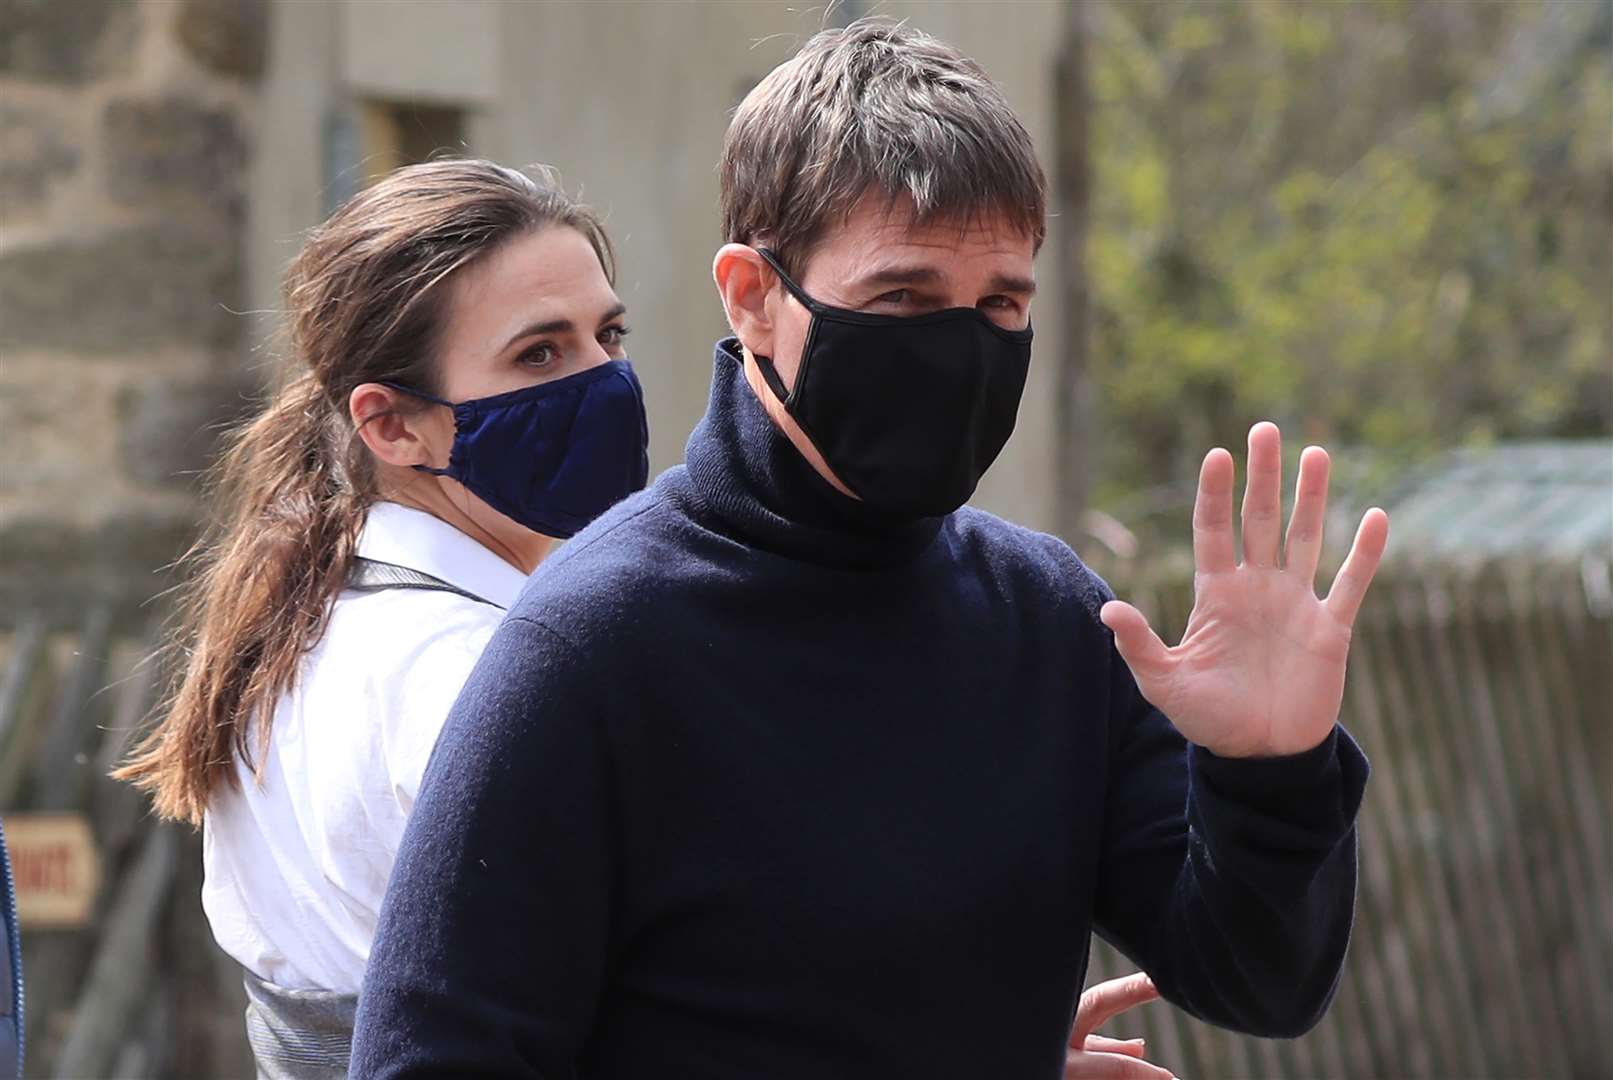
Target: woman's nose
<point x="595" y="355"/>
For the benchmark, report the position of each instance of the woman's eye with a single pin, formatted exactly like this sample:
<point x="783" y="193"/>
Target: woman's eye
<point x="539" y="355"/>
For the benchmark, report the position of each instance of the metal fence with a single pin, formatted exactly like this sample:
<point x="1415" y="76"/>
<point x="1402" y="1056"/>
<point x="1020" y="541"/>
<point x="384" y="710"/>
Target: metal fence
<point x="1484" y="937"/>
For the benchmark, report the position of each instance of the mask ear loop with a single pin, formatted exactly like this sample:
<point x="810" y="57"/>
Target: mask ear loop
<point x="772" y="259"/>
<point x="412" y="392"/>
<point x="423" y="396"/>
<point x="770" y="373"/>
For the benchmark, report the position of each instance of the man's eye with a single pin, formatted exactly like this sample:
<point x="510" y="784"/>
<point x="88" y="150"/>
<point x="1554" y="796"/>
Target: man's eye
<point x="895" y="296"/>
<point x="1000" y="302"/>
<point x="613" y="335"/>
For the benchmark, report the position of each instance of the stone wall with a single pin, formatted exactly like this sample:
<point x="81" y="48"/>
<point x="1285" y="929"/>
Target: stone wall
<point x="160" y="159"/>
<point x="125" y="133"/>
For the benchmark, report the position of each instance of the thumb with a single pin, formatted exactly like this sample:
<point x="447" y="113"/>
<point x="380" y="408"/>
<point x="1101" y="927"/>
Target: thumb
<point x="1139" y="646"/>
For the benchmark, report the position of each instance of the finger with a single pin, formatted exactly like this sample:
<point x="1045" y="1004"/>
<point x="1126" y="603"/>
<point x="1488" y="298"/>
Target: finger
<point x="1102" y="1044"/>
<point x="1080" y="1065"/>
<point x="1263" y="496"/>
<point x="1350" y="587"/>
<point x="1213" y="547"/>
<point x="1108" y="1000"/>
<point x="1139" y="646"/>
<point x="1310" y="515"/>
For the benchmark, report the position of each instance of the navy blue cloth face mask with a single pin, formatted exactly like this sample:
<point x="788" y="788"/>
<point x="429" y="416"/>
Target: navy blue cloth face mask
<point x="554" y="456"/>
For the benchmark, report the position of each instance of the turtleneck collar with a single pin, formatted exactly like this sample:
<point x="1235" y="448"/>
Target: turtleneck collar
<point x="749" y="475"/>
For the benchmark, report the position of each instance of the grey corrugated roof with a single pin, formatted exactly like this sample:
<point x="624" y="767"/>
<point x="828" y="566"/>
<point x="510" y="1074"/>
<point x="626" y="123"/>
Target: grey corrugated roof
<point x="1538" y="501"/>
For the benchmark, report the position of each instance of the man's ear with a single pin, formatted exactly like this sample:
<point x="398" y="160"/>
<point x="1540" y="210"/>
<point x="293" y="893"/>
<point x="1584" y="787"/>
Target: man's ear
<point x="745" y="283"/>
<point x="384" y="421"/>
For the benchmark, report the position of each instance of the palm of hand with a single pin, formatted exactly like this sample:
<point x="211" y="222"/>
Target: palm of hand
<point x="1260" y="669"/>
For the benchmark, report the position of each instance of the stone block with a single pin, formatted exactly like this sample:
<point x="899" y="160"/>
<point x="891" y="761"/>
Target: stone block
<point x="66" y="41"/>
<point x="57" y="434"/>
<point x="172" y="152"/>
<point x="33" y="154"/>
<point x="143" y="287"/>
<point x="227" y="36"/>
<point x="58" y="569"/>
<point x="170" y="430"/>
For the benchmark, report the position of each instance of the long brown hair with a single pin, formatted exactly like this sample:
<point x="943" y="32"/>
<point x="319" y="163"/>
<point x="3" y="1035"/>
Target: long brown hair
<point x="364" y="303"/>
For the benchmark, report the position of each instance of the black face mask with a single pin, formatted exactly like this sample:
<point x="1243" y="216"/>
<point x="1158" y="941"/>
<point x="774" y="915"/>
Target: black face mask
<point x="909" y="412"/>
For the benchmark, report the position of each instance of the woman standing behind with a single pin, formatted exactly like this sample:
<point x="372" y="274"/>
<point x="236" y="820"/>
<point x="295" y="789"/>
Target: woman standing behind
<point x="460" y="398"/>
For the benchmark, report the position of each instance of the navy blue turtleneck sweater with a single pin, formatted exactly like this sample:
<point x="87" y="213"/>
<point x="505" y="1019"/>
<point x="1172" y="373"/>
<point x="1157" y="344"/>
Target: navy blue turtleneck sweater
<point x="754" y="782"/>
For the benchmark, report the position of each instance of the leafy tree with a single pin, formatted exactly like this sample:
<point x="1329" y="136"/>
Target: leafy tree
<point x="1385" y="225"/>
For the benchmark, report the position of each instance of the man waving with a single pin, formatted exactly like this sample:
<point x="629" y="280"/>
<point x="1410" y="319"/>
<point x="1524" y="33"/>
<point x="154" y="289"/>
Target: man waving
<point x="795" y="766"/>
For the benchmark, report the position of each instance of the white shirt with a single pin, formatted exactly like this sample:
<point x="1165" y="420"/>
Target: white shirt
<point x="295" y="868"/>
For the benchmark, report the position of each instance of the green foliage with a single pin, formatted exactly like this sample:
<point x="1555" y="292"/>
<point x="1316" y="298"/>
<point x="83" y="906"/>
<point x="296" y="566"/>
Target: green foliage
<point x="1386" y="226"/>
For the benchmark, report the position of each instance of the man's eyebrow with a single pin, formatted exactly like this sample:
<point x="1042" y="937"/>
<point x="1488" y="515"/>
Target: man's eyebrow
<point x="902" y="275"/>
<point x="1012" y="283"/>
<point x="925" y="275"/>
<point x="563" y="326"/>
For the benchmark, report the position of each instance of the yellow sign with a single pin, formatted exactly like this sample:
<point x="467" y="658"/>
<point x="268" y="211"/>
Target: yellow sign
<point x="55" y="866"/>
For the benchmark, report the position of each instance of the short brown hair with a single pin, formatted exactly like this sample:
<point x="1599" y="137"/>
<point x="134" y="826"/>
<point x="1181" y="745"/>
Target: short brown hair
<point x="876" y="106"/>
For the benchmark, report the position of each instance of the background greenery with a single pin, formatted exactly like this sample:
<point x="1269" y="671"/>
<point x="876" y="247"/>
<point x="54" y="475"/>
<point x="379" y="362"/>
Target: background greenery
<point x="1385" y="225"/>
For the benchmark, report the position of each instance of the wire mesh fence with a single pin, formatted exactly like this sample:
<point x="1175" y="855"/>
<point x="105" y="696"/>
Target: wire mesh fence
<point x="1483" y="944"/>
<point x="1484" y="934"/>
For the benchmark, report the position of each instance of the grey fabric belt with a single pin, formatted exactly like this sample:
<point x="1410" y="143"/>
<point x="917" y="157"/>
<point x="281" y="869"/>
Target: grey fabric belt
<point x="298" y="1034"/>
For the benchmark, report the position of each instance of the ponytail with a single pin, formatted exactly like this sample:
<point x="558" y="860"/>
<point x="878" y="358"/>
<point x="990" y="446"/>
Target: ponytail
<point x="365" y="302"/>
<point x="258" y="600"/>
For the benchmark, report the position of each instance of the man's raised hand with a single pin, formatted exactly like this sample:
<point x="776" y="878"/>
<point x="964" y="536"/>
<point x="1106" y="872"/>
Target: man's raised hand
<point x="1260" y="670"/>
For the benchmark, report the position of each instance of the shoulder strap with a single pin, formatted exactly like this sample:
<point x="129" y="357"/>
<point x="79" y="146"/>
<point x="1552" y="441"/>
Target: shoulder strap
<point x="11" y="1018"/>
<point x="373" y="575"/>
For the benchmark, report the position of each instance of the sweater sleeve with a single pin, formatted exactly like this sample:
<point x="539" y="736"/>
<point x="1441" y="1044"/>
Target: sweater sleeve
<point x="1231" y="882"/>
<point x="491" y="948"/>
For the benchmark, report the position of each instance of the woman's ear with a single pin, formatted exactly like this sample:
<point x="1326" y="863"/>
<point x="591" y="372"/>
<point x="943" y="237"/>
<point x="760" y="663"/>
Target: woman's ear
<point x="388" y="427"/>
<point x="745" y="281"/>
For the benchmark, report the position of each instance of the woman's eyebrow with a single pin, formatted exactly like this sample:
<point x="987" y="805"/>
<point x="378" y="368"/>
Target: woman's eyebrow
<point x="563" y="326"/>
<point x="552" y="326"/>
